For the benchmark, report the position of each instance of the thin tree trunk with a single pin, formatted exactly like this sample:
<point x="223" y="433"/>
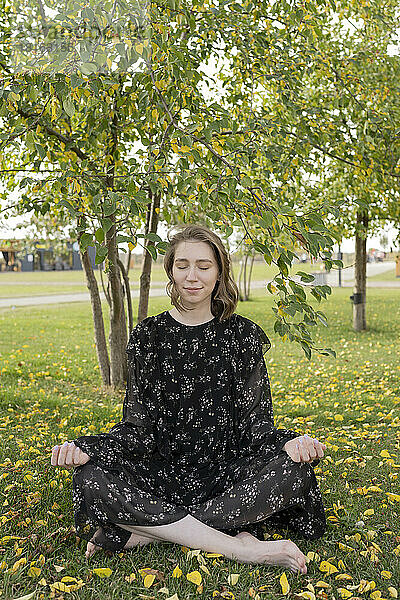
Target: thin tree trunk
<point x="99" y="333"/>
<point x="239" y="279"/>
<point x="248" y="283"/>
<point x="128" y="293"/>
<point x="245" y="298"/>
<point x="106" y="291"/>
<point x="145" y="277"/>
<point x="360" y="273"/>
<point x="118" y="334"/>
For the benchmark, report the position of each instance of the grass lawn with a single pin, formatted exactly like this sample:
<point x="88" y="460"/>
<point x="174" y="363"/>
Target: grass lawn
<point x="51" y="393"/>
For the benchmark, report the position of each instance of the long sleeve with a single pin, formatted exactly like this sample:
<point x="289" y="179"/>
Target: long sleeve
<point x="134" y="436"/>
<point x="255" y="420"/>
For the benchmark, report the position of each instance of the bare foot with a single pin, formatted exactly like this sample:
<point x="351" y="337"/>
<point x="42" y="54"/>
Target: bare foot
<point x="134" y="540"/>
<point x="284" y="553"/>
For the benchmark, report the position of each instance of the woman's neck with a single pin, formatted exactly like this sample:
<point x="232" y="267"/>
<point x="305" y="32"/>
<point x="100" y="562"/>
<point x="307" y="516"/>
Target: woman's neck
<point x="192" y="317"/>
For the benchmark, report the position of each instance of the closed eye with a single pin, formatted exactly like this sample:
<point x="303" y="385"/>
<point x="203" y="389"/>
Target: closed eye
<point x="201" y="268"/>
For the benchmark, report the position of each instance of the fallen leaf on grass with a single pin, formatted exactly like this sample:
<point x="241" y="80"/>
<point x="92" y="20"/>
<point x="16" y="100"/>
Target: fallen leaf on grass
<point x="284" y="584"/>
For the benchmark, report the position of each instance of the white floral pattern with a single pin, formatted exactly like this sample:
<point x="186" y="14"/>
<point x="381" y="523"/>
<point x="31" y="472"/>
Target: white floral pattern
<point x="197" y="437"/>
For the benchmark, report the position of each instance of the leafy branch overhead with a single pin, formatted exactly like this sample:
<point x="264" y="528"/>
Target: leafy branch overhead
<point x="130" y="112"/>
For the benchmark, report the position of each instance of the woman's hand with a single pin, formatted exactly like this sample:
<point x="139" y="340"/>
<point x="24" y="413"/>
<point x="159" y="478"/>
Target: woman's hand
<point x="304" y="449"/>
<point x="68" y="456"/>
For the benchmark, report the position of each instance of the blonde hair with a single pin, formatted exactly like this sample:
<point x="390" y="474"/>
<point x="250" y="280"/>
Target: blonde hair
<point x="225" y="295"/>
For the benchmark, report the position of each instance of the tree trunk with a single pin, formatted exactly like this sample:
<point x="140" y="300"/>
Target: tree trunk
<point x="99" y="333"/>
<point x="118" y="334"/>
<point x="145" y="277"/>
<point x="248" y="283"/>
<point x="245" y="297"/>
<point x="239" y="279"/>
<point x="127" y="292"/>
<point x="360" y="273"/>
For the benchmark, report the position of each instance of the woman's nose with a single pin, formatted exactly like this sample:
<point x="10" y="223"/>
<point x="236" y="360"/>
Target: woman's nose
<point x="191" y="274"/>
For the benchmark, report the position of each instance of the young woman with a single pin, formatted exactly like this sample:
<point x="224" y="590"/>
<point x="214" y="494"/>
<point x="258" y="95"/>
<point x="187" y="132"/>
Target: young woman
<point x="196" y="459"/>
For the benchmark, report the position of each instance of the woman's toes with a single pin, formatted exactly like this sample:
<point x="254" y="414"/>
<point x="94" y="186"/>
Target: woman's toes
<point x="91" y="549"/>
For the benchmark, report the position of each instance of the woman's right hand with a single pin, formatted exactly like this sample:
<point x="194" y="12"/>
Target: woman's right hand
<point x="68" y="456"/>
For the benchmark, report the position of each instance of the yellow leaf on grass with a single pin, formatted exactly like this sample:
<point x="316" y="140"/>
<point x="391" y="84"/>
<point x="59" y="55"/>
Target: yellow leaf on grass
<point x="174" y="597"/>
<point x="394" y="497"/>
<point x="68" y="579"/>
<point x="343" y="576"/>
<point x="338" y="417"/>
<point x="392" y="592"/>
<point x="344" y="593"/>
<point x="17" y="565"/>
<point x="27" y="597"/>
<point x="322" y="584"/>
<point x="148" y="580"/>
<point x="194" y="577"/>
<point x="368" y="512"/>
<point x="58" y="568"/>
<point x="384" y="454"/>
<point x="103" y="572"/>
<point x="327" y="567"/>
<point x="308" y="595"/>
<point x="366" y="586"/>
<point x="284" y="584"/>
<point x="386" y="574"/>
<point x="34" y="572"/>
<point x="177" y="572"/>
<point x="233" y="578"/>
<point x="375" y="595"/>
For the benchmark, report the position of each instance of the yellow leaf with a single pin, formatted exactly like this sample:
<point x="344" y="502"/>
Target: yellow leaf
<point x="68" y="579"/>
<point x="59" y="587"/>
<point x="18" y="564"/>
<point x="27" y="597"/>
<point x="366" y="586"/>
<point x="34" y="572"/>
<point x="131" y="245"/>
<point x="322" y="584"/>
<point x="338" y="417"/>
<point x="177" y="572"/>
<point x="58" y="568"/>
<point x="139" y="48"/>
<point x="327" y="567"/>
<point x="391" y="496"/>
<point x="194" y="577"/>
<point x="343" y="576"/>
<point x="368" y="512"/>
<point x="386" y="574"/>
<point x="344" y="593"/>
<point x="312" y="555"/>
<point x="103" y="572"/>
<point x="204" y="568"/>
<point x="375" y="595"/>
<point x="148" y="580"/>
<point x="284" y="584"/>
<point x="392" y="592"/>
<point x="233" y="578"/>
<point x="384" y="454"/>
<point x="174" y="597"/>
<point x="307" y="594"/>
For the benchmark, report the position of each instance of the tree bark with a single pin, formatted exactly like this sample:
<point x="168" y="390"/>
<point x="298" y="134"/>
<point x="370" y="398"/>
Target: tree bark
<point x="118" y="334"/>
<point x="145" y="277"/>
<point x="127" y="292"/>
<point x="248" y="283"/>
<point x="360" y="273"/>
<point x="99" y="333"/>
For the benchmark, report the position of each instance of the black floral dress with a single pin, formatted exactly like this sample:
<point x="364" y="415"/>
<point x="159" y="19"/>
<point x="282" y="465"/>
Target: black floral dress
<point x="197" y="437"/>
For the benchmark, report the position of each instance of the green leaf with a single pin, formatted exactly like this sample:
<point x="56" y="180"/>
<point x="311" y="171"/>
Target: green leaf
<point x="85" y="240"/>
<point x="101" y="253"/>
<point x="152" y="251"/>
<point x="69" y="107"/>
<point x="99" y="235"/>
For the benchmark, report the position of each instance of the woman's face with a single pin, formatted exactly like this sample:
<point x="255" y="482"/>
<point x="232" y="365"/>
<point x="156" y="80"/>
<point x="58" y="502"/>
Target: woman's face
<point x="195" y="272"/>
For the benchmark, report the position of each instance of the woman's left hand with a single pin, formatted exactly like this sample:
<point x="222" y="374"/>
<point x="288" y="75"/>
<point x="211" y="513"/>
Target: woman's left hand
<point x="304" y="449"/>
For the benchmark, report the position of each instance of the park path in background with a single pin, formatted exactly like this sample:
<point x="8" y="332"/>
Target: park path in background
<point x="156" y="290"/>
